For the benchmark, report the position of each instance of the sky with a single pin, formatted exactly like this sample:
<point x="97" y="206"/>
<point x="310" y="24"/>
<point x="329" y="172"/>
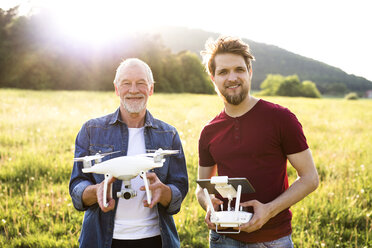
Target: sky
<point x="337" y="33"/>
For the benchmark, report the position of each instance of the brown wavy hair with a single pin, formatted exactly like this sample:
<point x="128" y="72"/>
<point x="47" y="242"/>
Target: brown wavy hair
<point x="225" y="44"/>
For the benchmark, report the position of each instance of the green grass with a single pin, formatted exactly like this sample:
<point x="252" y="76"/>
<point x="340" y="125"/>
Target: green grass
<point x="38" y="130"/>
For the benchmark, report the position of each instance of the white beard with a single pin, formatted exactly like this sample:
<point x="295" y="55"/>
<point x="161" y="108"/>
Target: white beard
<point x="134" y="107"/>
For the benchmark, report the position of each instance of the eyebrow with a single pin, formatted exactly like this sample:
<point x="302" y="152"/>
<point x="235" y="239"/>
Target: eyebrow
<point x="221" y="69"/>
<point x="137" y="81"/>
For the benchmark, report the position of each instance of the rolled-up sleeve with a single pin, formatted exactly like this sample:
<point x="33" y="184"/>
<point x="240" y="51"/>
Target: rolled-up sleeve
<point x="77" y="193"/>
<point x="175" y="203"/>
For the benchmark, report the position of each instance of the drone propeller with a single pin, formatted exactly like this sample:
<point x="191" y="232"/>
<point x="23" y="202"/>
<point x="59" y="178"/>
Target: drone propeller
<point x="150" y="154"/>
<point x="94" y="157"/>
<point x="159" y="152"/>
<point x="166" y="152"/>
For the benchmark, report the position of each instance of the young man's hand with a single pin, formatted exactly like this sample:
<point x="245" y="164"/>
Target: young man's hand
<point x="216" y="204"/>
<point x="262" y="214"/>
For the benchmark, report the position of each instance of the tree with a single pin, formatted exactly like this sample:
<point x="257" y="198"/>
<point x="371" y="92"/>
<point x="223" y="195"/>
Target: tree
<point x="194" y="78"/>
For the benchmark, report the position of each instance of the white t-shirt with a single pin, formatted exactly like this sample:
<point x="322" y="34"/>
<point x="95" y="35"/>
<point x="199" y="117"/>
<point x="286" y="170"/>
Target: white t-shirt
<point x="132" y="219"/>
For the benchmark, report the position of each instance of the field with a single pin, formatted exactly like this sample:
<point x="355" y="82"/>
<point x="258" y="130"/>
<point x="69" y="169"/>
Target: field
<point x="38" y="130"/>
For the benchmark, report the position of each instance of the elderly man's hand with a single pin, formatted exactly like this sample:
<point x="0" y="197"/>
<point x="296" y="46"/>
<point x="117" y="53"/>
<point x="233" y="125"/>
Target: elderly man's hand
<point x="110" y="200"/>
<point x="161" y="193"/>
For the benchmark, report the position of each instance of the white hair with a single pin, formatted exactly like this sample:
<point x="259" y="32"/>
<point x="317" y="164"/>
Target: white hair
<point x="134" y="61"/>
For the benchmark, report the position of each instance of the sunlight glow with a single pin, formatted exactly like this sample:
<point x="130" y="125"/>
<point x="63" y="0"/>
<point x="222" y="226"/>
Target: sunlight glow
<point x="94" y="23"/>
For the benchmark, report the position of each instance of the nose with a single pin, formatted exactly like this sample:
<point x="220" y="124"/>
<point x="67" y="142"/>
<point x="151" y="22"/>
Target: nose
<point x="232" y="77"/>
<point x="133" y="88"/>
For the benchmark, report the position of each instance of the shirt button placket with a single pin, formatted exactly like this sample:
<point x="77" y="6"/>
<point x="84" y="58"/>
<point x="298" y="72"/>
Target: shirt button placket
<point x="236" y="129"/>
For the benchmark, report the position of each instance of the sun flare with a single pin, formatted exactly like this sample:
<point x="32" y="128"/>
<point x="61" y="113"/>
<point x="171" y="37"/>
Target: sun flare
<point x="94" y="23"/>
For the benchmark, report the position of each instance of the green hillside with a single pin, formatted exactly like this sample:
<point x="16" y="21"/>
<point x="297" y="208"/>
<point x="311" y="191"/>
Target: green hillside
<point x="269" y="60"/>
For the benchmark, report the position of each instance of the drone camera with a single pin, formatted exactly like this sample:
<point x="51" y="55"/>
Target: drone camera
<point x="127" y="193"/>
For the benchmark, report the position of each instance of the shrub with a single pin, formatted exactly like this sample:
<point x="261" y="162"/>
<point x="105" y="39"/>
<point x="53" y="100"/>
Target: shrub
<point x="352" y="96"/>
<point x="277" y="85"/>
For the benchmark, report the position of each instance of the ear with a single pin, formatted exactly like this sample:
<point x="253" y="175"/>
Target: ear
<point x="151" y="90"/>
<point x="116" y="89"/>
<point x="250" y="73"/>
<point x="212" y="78"/>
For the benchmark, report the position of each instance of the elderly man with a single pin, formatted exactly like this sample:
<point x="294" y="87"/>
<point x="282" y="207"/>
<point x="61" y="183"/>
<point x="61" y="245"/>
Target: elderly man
<point x="252" y="138"/>
<point x="131" y="130"/>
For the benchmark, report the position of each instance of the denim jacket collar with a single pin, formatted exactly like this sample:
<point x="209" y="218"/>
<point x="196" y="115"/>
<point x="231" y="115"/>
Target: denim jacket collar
<point x="149" y="119"/>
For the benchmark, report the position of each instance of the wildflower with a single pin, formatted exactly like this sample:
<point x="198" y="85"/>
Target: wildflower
<point x="331" y="194"/>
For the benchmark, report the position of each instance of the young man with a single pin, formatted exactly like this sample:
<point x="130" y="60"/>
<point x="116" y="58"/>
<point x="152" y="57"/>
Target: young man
<point x="252" y="138"/>
<point x="132" y="130"/>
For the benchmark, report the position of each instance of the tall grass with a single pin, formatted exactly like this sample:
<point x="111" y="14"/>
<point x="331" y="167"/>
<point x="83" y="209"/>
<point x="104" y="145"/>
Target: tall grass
<point x="37" y="133"/>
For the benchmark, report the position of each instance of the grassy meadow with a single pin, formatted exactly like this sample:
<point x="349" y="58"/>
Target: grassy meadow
<point x="38" y="130"/>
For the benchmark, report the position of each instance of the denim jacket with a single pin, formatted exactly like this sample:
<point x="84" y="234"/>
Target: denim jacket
<point x="109" y="133"/>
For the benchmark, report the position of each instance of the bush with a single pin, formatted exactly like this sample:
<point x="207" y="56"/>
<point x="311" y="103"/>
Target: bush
<point x="352" y="96"/>
<point x="309" y="89"/>
<point x="277" y="85"/>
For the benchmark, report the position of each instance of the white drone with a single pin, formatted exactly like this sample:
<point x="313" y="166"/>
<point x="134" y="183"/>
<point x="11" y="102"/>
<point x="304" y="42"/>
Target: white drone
<point x="125" y="168"/>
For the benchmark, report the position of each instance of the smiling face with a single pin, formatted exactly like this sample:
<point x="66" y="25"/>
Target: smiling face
<point x="232" y="78"/>
<point x="133" y="88"/>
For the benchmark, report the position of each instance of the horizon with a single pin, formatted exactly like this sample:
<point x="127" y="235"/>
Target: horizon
<point x="293" y="26"/>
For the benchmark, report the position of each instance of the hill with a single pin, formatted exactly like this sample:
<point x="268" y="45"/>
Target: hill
<point x="270" y="59"/>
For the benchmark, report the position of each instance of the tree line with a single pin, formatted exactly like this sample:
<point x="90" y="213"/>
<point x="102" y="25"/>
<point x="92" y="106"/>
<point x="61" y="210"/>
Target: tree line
<point x="34" y="56"/>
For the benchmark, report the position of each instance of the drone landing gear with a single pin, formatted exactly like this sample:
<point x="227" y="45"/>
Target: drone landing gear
<point x="107" y="179"/>
<point x="147" y="183"/>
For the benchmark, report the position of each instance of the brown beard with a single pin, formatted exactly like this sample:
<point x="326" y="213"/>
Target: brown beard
<point x="236" y="99"/>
